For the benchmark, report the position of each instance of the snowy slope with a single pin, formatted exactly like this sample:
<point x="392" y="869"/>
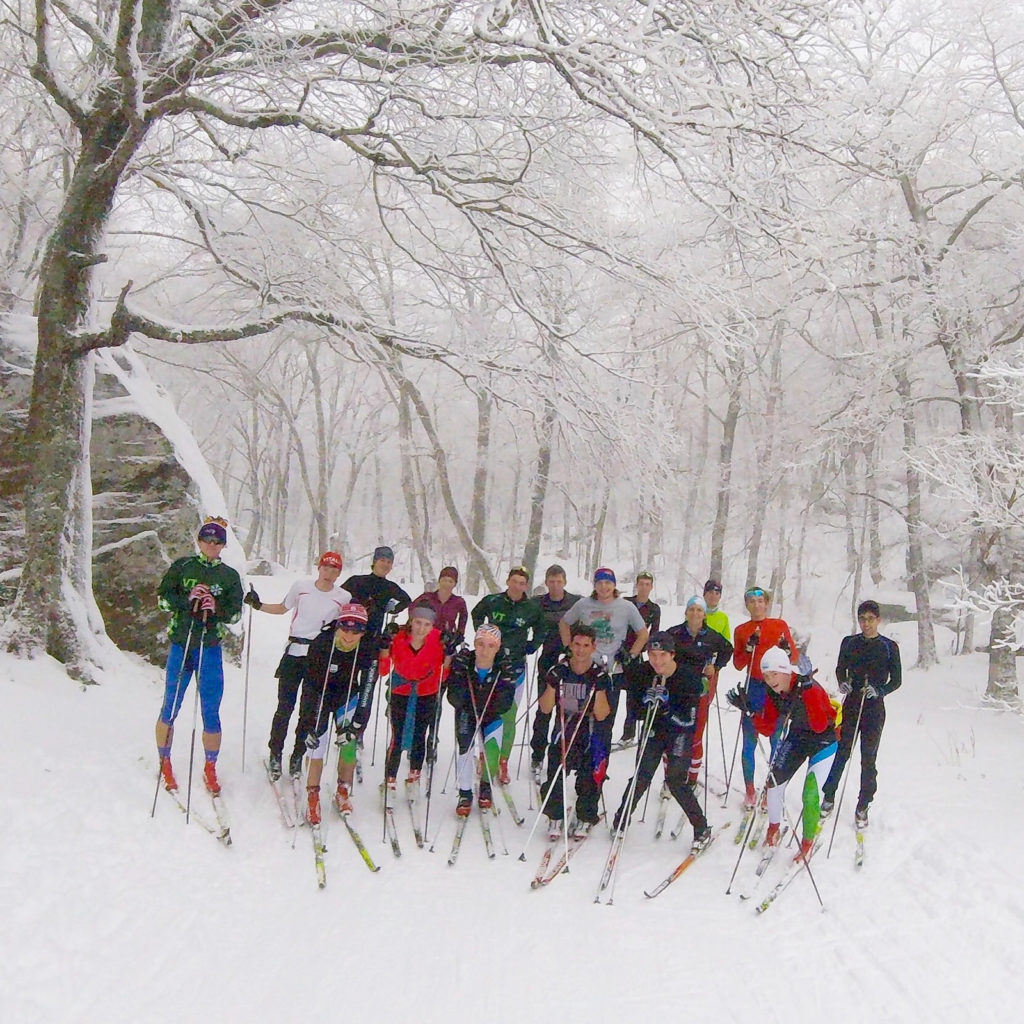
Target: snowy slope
<point x="111" y="916"/>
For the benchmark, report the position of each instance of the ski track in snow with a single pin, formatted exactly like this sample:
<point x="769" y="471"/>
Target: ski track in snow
<point x="111" y="916"/>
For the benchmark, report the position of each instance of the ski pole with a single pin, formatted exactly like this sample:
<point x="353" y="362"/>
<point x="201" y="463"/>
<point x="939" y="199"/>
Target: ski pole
<point x="846" y="776"/>
<point x="544" y="802"/>
<point x="762" y="795"/>
<point x="619" y="836"/>
<point x="739" y="732"/>
<point x="174" y="707"/>
<point x="531" y="683"/>
<point x="432" y="754"/>
<point x="195" y="716"/>
<point x="245" y="688"/>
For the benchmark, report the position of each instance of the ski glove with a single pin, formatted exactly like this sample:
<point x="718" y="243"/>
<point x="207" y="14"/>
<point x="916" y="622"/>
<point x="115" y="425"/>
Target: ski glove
<point x="656" y="694"/>
<point x="870" y="691"/>
<point x="752" y="641"/>
<point x="391" y="607"/>
<point x="738" y="699"/>
<point x="450" y="641"/>
<point x="845" y="687"/>
<point x="350" y="731"/>
<point x="252" y="598"/>
<point x="390" y="632"/>
<point x="783" y="644"/>
<point x="198" y="592"/>
<point x="628" y="659"/>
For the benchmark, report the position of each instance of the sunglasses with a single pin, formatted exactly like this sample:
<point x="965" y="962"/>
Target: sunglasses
<point x="211" y="539"/>
<point x="352" y="627"/>
<point x="713" y="590"/>
<point x="755" y="592"/>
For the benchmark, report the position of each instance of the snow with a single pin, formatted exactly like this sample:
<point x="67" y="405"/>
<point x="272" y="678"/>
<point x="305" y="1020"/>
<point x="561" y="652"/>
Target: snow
<point x="113" y="916"/>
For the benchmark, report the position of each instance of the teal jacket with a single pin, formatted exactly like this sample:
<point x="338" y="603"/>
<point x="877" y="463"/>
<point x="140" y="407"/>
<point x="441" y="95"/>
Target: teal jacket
<point x="225" y="585"/>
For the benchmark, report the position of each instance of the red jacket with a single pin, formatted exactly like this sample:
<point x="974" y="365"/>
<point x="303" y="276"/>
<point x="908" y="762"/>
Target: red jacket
<point x="770" y="632"/>
<point x="814" y="713"/>
<point x="422" y="667"/>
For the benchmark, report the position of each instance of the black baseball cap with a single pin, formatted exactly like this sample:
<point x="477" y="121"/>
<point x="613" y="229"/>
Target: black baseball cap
<point x="662" y="641"/>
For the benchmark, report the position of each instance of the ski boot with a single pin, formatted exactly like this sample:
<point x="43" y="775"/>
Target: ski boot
<point x="210" y="777"/>
<point x="465" y="804"/>
<point x="167" y="774"/>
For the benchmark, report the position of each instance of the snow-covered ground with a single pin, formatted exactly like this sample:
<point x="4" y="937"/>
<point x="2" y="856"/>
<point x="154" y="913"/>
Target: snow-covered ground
<point x="111" y="916"/>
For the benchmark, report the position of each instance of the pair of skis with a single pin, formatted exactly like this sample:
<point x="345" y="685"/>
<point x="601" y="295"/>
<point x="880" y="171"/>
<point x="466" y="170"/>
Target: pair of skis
<point x="685" y="864"/>
<point x="545" y="874"/>
<point x="221" y="830"/>
<point x="460" y="828"/>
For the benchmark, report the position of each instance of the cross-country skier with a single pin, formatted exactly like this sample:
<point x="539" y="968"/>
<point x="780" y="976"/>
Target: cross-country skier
<point x="706" y="652"/>
<point x="522" y="629"/>
<point x="481" y="688"/>
<point x="554" y="604"/>
<point x="380" y="597"/>
<point x="750" y="641"/>
<point x="332" y="688"/>
<point x="313" y="604"/>
<point x="716" y="618"/>
<point x="670" y="690"/>
<point x="868" y="669"/>
<point x="579" y="690"/>
<point x="204" y="596"/>
<point x="418" y="661"/>
<point x="612" y="616"/>
<point x="810" y="736"/>
<point x="451" y="613"/>
<point x="650" y="612"/>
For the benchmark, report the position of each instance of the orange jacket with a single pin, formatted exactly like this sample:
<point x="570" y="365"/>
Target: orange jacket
<point x="770" y="632"/>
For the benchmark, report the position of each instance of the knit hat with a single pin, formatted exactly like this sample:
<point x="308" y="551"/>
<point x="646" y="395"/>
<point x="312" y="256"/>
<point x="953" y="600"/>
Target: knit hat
<point x="554" y="570"/>
<point x="697" y="602"/>
<point x="451" y="571"/>
<point x="604" y="573"/>
<point x="331" y="559"/>
<point x="214" y="529"/>
<point x="353" y="615"/>
<point x="422" y="611"/>
<point x="488" y="631"/>
<point x="775" y="659"/>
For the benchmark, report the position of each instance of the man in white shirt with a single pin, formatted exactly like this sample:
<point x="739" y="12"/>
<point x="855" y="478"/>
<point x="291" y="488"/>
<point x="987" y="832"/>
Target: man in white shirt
<point x="314" y="604"/>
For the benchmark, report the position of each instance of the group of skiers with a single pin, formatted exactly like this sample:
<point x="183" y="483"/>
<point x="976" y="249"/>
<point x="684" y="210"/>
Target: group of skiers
<point x="343" y="639"/>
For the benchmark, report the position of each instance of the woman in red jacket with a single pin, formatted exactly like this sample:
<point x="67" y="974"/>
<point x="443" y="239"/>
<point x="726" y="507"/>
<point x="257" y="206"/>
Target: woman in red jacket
<point x="810" y="737"/>
<point x="417" y="664"/>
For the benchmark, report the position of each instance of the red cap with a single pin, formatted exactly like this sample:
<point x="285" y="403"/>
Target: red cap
<point x="331" y="558"/>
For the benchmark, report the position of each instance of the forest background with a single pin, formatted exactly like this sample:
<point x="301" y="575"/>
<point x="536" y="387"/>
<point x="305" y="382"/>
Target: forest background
<point x="675" y="285"/>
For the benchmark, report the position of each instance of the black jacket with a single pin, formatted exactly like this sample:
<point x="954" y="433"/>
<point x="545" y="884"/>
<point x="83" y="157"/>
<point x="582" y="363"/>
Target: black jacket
<point x="489" y="698"/>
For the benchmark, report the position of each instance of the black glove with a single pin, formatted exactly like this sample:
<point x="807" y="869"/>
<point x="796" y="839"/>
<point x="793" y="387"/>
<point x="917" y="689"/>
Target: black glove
<point x="628" y="659"/>
<point x="350" y="731"/>
<point x="390" y="632"/>
<point x="450" y="641"/>
<point x="252" y="598"/>
<point x="312" y="741"/>
<point x="752" y="642"/>
<point x="738" y="699"/>
<point x="803" y="682"/>
<point x="783" y="644"/>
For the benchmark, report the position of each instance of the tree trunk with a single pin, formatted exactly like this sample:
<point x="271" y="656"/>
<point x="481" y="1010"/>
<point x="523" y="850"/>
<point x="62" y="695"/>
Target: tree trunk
<point x="1002" y="657"/>
<point x="478" y="509"/>
<point x="54" y="609"/>
<point x="725" y="453"/>
<point x="916" y="571"/>
<point x="535" y="529"/>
